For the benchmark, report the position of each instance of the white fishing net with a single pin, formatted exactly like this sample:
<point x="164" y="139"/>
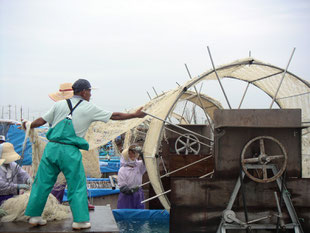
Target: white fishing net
<point x="15" y="208"/>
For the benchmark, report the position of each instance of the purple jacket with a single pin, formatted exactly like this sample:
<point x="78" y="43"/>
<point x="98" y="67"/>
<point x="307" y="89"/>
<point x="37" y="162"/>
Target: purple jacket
<point x="10" y="176"/>
<point x="131" y="175"/>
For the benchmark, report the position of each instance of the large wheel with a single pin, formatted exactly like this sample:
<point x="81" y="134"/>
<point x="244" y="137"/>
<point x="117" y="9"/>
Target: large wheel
<point x="260" y="160"/>
<point x="187" y="144"/>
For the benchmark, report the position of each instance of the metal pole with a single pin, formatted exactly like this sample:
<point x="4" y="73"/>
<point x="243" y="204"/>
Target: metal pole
<point x="157" y="96"/>
<point x="112" y="182"/>
<point x="208" y="174"/>
<point x="184" y="109"/>
<point x="278" y="205"/>
<point x="181" y="168"/>
<point x="177" y="126"/>
<point x="158" y="195"/>
<point x="246" y="89"/>
<point x="285" y="97"/>
<point x="200" y="87"/>
<point x="268" y="76"/>
<point x="218" y="79"/>
<point x="193" y="113"/>
<point x="9" y="111"/>
<point x="275" y="96"/>
<point x="21" y="113"/>
<point x="148" y="95"/>
<point x="199" y="98"/>
<point x="161" y="158"/>
<point x="155" y="91"/>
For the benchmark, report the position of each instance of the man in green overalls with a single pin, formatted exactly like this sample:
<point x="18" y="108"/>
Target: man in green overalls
<point x="69" y="120"/>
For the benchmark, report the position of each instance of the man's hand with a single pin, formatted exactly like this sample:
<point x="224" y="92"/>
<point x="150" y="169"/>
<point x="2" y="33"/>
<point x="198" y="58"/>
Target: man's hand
<point x="34" y="124"/>
<point x="139" y="113"/>
<point x="24" y="123"/>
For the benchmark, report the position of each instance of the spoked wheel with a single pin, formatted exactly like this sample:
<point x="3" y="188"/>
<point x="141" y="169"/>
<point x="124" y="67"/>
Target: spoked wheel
<point x="255" y="165"/>
<point x="187" y="144"/>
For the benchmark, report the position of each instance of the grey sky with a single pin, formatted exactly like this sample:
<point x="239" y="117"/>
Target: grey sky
<point x="126" y="47"/>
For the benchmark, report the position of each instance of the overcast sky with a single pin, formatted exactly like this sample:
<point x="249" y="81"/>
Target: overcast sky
<point x="124" y="48"/>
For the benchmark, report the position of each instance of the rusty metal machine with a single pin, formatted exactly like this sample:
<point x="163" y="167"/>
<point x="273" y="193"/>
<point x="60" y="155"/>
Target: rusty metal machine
<point x="256" y="185"/>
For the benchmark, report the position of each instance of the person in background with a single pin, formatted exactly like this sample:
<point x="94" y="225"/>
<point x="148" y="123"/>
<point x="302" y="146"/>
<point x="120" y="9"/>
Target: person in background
<point x="13" y="179"/>
<point x="69" y="120"/>
<point x="130" y="178"/>
<point x="2" y="211"/>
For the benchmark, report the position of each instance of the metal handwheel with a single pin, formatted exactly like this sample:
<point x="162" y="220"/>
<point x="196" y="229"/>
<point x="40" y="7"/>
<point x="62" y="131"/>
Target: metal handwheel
<point x="187" y="144"/>
<point x="263" y="161"/>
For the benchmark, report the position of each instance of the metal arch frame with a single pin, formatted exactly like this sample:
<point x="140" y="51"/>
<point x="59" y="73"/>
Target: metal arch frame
<point x="250" y="61"/>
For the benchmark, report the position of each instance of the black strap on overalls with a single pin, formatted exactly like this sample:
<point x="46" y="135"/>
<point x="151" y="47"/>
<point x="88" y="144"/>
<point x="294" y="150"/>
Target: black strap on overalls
<point x="68" y="117"/>
<point x="70" y="107"/>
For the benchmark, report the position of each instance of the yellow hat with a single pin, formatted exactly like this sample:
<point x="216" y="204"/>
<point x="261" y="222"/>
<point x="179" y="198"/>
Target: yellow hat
<point x="8" y="153"/>
<point x="65" y="92"/>
<point x="125" y="152"/>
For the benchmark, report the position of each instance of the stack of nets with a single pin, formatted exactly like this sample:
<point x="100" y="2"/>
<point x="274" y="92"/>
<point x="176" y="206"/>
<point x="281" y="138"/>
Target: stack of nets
<point x="15" y="209"/>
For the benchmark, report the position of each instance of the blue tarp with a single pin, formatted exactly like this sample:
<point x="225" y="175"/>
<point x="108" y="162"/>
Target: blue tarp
<point x="96" y="192"/>
<point x="111" y="166"/>
<point x="138" y="214"/>
<point x="112" y="158"/>
<point x="16" y="137"/>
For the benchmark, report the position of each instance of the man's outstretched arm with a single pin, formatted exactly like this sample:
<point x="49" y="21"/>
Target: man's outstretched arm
<point x="125" y="116"/>
<point x="36" y="123"/>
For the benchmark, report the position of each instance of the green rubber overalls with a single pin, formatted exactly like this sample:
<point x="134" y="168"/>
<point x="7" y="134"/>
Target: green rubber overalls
<point x="61" y="154"/>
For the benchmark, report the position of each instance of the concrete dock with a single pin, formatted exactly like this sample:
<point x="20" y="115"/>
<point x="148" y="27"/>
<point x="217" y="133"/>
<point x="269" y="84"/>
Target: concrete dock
<point x="101" y="219"/>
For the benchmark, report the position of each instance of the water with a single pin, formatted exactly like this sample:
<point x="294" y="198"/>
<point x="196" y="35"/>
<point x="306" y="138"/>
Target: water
<point x="144" y="226"/>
